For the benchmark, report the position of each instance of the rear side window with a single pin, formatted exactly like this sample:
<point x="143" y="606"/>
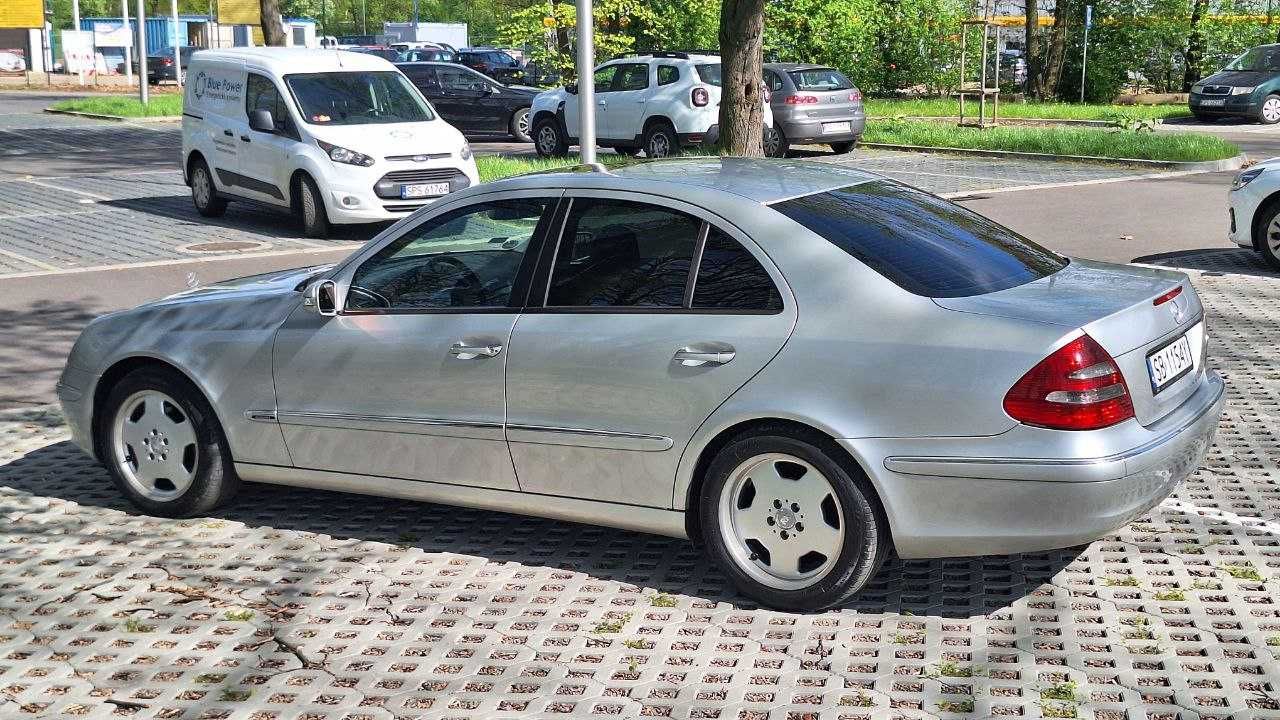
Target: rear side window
<point x="820" y="80"/>
<point x="730" y="278"/>
<point x="668" y="74"/>
<point x="922" y="243"/>
<point x="709" y="73"/>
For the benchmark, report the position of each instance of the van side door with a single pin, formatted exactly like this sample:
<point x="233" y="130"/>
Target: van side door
<point x="264" y="167"/>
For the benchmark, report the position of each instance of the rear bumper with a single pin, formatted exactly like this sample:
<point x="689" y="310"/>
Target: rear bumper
<point x="955" y="505"/>
<point x="804" y="132"/>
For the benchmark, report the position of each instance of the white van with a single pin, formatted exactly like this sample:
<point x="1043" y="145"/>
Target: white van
<point x="333" y="136"/>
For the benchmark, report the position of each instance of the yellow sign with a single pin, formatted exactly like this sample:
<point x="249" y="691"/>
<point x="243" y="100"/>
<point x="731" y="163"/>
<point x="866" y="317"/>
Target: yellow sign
<point x="21" y="13"/>
<point x="237" y="12"/>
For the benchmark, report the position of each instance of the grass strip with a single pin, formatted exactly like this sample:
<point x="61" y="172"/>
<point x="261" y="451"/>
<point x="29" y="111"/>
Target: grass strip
<point x="161" y="105"/>
<point x="947" y="107"/>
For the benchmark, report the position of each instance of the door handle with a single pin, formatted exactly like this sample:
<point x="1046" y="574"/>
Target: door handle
<point x="228" y="133"/>
<point x="462" y="351"/>
<point x="697" y="357"/>
<point x="602" y="103"/>
<point x="245" y="138"/>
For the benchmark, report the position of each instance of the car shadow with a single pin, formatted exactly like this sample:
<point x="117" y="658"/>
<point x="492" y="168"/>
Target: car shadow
<point x="1217" y="260"/>
<point x="244" y="216"/>
<point x="952" y="588"/>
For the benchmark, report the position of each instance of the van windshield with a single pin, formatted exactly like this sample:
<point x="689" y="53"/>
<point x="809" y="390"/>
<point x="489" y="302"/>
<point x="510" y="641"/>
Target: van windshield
<point x="357" y="98"/>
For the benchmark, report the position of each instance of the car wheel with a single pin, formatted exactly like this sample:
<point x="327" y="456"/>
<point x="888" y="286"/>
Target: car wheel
<point x="1269" y="113"/>
<point x="163" y="446"/>
<point x="840" y="148"/>
<point x="789" y="524"/>
<point x="776" y="144"/>
<point x="203" y="193"/>
<point x="520" y="126"/>
<point x="628" y="151"/>
<point x="660" y="141"/>
<point x="1268" y="241"/>
<point x="315" y="220"/>
<point x="548" y="140"/>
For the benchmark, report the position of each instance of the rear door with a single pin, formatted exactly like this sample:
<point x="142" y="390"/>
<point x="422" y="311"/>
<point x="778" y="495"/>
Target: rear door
<point x="623" y="352"/>
<point x="468" y="100"/>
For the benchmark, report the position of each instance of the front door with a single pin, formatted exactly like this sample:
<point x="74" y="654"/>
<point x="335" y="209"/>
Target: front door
<point x="631" y="351"/>
<point x="263" y="155"/>
<point x="624" y="119"/>
<point x="407" y="381"/>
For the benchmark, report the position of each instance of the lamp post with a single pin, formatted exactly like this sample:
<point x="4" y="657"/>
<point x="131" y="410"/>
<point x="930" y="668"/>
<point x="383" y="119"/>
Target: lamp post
<point x="143" y="90"/>
<point x="586" y="84"/>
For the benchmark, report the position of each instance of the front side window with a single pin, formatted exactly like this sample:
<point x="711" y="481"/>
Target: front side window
<point x="604" y="78"/>
<point x="616" y="253"/>
<point x="261" y="94"/>
<point x="633" y="77"/>
<point x="709" y="73"/>
<point x="922" y="243"/>
<point x="1265" y="58"/>
<point x="357" y="98"/>
<point x="468" y="258"/>
<point x="730" y="278"/>
<point x="820" y="80"/>
<point x="461" y="80"/>
<point x="668" y="74"/>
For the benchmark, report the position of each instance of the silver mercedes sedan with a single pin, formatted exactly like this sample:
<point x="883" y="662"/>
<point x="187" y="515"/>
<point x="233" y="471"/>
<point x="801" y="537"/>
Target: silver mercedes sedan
<point x="800" y="366"/>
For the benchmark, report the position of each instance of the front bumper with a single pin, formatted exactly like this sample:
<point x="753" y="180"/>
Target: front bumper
<point x="1235" y="105"/>
<point x="75" y="394"/>
<point x="1242" y="205"/>
<point x="356" y="195"/>
<point x="809" y="131"/>
<point x="955" y="505"/>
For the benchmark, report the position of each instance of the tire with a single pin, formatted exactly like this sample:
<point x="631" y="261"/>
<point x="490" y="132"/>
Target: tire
<point x="311" y="212"/>
<point x="660" y="141"/>
<point x="549" y="140"/>
<point x="1269" y="111"/>
<point x="1266" y="233"/>
<point x="783" y="469"/>
<point x="841" y="148"/>
<point x="203" y="192"/>
<point x="628" y="151"/>
<point x="187" y="468"/>
<point x="776" y="144"/>
<point x="519" y="126"/>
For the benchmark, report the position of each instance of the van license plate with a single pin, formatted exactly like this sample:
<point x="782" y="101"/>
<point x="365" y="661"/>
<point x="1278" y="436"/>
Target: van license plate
<point x="424" y="190"/>
<point x="835" y="127"/>
<point x="1169" y="363"/>
<point x="1213" y="103"/>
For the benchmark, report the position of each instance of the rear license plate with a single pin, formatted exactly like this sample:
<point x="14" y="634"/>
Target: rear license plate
<point x="1213" y="103"/>
<point x="1169" y="362"/>
<point x="835" y="127"/>
<point x="423" y="190"/>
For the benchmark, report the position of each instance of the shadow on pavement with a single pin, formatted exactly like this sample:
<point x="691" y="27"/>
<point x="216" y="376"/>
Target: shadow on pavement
<point x="1233" y="260"/>
<point x="956" y="588"/>
<point x="242" y="215"/>
<point x="33" y="347"/>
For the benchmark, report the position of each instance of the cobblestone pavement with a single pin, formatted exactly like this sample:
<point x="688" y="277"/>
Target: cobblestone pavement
<point x="294" y="604"/>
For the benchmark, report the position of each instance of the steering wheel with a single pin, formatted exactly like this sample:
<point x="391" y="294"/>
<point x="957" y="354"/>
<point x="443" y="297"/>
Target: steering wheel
<point x="379" y="299"/>
<point x="457" y="268"/>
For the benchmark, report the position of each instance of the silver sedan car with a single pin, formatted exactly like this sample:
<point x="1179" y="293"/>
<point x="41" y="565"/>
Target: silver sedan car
<point x="800" y="366"/>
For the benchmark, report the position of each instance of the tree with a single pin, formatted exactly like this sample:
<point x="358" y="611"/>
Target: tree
<point x="272" y="28"/>
<point x="1032" y="51"/>
<point x="1195" y="45"/>
<point x="1052" y="74"/>
<point x="741" y="57"/>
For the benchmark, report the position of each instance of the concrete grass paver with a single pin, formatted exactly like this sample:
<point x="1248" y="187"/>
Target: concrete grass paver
<point x="293" y="603"/>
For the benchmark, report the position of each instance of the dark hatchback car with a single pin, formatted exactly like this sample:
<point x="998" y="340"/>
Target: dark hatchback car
<point x="160" y="64"/>
<point x="494" y="63"/>
<point x="474" y="103"/>
<point x="1248" y="87"/>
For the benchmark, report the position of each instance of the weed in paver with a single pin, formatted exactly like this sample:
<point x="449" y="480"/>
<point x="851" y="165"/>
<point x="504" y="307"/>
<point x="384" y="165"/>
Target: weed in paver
<point x="662" y="601"/>
<point x="1206" y="585"/>
<point x="210" y="678"/>
<point x="611" y="626"/>
<point x="947" y="668"/>
<point x="136" y="625"/>
<point x="956" y="706"/>
<point x="1060" y="691"/>
<point x="1242" y="572"/>
<point x="908" y="638"/>
<point x="1127" y="581"/>
<point x="1146" y="650"/>
<point x="1173" y="595"/>
<point x="860" y="700"/>
<point x="238" y="615"/>
<point x="637" y="644"/>
<point x="1136" y="621"/>
<point x="1141" y="633"/>
<point x="229" y="695"/>
<point x="1274" y="641"/>
<point x="1059" y="710"/>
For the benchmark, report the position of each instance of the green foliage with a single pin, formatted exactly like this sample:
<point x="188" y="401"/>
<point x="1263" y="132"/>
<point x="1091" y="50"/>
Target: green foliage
<point x="621" y="26"/>
<point x="956" y="706"/>
<point x="1060" y="691"/>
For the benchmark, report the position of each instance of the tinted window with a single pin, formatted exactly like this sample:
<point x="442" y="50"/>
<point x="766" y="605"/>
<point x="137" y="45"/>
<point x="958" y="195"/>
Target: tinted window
<point x="924" y="244"/>
<point x="1265" y="58"/>
<point x="622" y="254"/>
<point x="772" y="80"/>
<point x="709" y="74"/>
<point x="261" y="94"/>
<point x="357" y="98"/>
<point x="604" y="78"/>
<point x="730" y="278"/>
<point x="460" y="79"/>
<point x="820" y="80"/>
<point x="668" y="74"/>
<point x="632" y="77"/>
<point x="465" y="259"/>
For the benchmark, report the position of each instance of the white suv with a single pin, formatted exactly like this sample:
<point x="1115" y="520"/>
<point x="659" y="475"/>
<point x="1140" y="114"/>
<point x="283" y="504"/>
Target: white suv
<point x="658" y="102"/>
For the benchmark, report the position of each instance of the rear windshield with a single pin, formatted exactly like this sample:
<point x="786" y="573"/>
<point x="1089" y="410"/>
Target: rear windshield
<point x="820" y="79"/>
<point x="709" y="73"/>
<point x="357" y="98"/>
<point x="924" y="244"/>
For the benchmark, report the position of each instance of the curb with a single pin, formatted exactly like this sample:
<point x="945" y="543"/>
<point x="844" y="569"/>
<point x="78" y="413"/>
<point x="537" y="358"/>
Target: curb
<point x="1232" y="163"/>
<point x="115" y="118"/>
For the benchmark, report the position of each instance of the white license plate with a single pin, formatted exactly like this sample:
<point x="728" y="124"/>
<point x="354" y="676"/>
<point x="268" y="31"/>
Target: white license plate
<point x="835" y="127"/>
<point x="1213" y="103"/>
<point x="1169" y="363"/>
<point x="424" y="190"/>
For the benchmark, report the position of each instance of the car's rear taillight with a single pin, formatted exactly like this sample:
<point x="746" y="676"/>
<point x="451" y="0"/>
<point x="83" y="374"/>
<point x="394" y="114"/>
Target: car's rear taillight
<point x="855" y="96"/>
<point x="1078" y="387"/>
<point x="699" y="97"/>
<point x="768" y="94"/>
<point x="167" y="61"/>
<point x="802" y="100"/>
<point x="1167" y="296"/>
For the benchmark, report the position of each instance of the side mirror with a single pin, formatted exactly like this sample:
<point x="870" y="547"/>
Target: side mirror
<point x="262" y="121"/>
<point x="322" y="297"/>
<point x="571" y="88"/>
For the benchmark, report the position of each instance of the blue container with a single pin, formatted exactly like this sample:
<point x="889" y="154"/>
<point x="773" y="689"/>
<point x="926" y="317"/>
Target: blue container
<point x="159" y="29"/>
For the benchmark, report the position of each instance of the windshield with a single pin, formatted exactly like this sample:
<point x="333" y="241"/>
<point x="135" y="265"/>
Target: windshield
<point x="1260" y="59"/>
<point x="357" y="98"/>
<point x="709" y="74"/>
<point x="820" y="79"/>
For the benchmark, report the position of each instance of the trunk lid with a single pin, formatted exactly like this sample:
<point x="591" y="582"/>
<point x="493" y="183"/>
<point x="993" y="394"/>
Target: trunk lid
<point x="1114" y="304"/>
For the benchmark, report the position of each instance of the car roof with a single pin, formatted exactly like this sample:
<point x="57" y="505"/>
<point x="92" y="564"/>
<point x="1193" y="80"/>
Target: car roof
<point x="282" y="60"/>
<point x="756" y="179"/>
<point x="789" y="66"/>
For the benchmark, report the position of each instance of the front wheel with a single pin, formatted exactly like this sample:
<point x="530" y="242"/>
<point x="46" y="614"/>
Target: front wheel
<point x="1269" y="113"/>
<point x="315" y="220"/>
<point x="520" y="126"/>
<point x="788" y="523"/>
<point x="1268" y="234"/>
<point x="549" y="140"/>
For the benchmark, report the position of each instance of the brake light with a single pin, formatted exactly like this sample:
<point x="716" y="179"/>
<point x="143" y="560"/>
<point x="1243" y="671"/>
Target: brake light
<point x="1167" y="296"/>
<point x="167" y="61"/>
<point x="855" y="96"/>
<point x="768" y="94"/>
<point x="1078" y="387"/>
<point x="700" y="97"/>
<point x="801" y="100"/>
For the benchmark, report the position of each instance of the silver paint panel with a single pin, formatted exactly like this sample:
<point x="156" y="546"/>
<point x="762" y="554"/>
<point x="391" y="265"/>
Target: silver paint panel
<point x="603" y="439"/>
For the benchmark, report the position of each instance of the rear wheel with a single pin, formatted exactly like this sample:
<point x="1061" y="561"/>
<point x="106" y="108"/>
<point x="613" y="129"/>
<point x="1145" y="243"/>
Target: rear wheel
<point x="840" y="148"/>
<point x="549" y="140"/>
<point x="520" y="126"/>
<point x="1269" y="112"/>
<point x="315" y="220"/>
<point x="660" y="141"/>
<point x="776" y="144"/>
<point x="203" y="193"/>
<point x="790" y="526"/>
<point x="1267" y="235"/>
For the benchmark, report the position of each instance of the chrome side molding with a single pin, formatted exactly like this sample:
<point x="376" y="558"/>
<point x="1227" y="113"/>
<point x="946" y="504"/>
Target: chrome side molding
<point x="581" y="437"/>
<point x="267" y="416"/>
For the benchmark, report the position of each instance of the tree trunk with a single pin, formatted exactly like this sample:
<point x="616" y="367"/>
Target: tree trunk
<point x="1032" y="51"/>
<point x="741" y="104"/>
<point x="272" y="30"/>
<point x="1057" y="49"/>
<point x="1195" y="46"/>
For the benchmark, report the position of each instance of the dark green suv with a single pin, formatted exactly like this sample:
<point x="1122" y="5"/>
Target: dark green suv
<point x="1248" y="87"/>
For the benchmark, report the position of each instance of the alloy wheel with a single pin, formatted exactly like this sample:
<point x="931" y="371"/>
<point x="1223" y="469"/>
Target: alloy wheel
<point x="154" y="445"/>
<point x="770" y="143"/>
<point x="547" y="140"/>
<point x="781" y="521"/>
<point x="659" y="146"/>
<point x="1273" y="235"/>
<point x="522" y="124"/>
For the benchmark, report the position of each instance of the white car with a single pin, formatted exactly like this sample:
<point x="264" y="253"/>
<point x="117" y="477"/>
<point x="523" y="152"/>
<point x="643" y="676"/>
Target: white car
<point x="333" y="136"/>
<point x="12" y="62"/>
<point x="658" y="103"/>
<point x="1254" y="207"/>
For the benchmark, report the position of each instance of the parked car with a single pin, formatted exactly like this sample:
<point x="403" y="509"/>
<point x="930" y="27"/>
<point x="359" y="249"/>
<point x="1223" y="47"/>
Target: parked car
<point x="656" y="102"/>
<point x="333" y="136"/>
<point x="1248" y="87"/>
<point x="386" y="53"/>
<point x="494" y="63"/>
<point x="471" y="102"/>
<point x="799" y="365"/>
<point x="160" y="64"/>
<point x="812" y="104"/>
<point x="428" y="55"/>
<point x="1254" y="210"/>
